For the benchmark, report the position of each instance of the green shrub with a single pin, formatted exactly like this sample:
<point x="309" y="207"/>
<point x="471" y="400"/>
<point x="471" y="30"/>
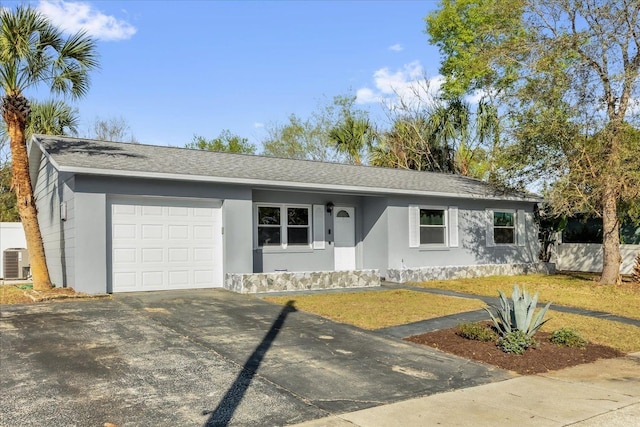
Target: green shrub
<point x="476" y="331"/>
<point x="520" y="316"/>
<point x="568" y="338"/>
<point x="515" y="342"/>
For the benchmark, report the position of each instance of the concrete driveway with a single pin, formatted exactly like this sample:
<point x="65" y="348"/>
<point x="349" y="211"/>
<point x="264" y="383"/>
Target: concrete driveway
<point x="204" y="357"/>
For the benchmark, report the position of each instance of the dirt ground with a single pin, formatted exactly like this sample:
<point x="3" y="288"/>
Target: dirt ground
<point x="546" y="357"/>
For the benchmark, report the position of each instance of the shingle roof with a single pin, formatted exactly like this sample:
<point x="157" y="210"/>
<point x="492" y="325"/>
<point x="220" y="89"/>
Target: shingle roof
<point x="126" y="159"/>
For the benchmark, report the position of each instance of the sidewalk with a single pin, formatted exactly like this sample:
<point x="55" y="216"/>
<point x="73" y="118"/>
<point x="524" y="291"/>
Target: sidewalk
<point x="603" y="393"/>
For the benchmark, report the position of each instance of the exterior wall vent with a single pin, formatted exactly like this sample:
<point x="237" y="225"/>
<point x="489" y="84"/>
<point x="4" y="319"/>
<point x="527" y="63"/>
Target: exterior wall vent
<point x="15" y="263"/>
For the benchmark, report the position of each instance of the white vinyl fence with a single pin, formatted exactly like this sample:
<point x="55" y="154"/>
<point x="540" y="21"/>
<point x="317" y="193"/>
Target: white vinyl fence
<point x="588" y="257"/>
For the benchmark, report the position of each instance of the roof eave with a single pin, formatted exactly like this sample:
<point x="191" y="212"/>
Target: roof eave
<point x="285" y="184"/>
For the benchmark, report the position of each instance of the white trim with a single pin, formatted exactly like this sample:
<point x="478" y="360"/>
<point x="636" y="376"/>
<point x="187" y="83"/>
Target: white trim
<point x="453" y="226"/>
<point x="521" y="227"/>
<point x="284" y="244"/>
<point x="491" y="229"/>
<point x="318" y="226"/>
<point x="414" y="227"/>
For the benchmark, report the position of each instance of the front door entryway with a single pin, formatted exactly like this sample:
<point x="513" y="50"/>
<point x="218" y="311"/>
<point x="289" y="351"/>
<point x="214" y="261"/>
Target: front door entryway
<point x="345" y="238"/>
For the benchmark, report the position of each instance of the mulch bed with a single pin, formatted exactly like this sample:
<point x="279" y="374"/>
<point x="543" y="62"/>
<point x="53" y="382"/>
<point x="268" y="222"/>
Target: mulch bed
<point x="547" y="357"/>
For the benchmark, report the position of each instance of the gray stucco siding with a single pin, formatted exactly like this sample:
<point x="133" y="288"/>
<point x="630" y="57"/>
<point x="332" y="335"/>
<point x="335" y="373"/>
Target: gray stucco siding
<point x="471" y="249"/>
<point x="300" y="258"/>
<point x="375" y="245"/>
<point x="93" y="195"/>
<point x="46" y="193"/>
<point x="91" y="242"/>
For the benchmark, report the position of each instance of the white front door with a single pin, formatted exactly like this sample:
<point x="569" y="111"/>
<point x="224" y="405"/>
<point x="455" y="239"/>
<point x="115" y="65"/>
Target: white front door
<point x="344" y="238"/>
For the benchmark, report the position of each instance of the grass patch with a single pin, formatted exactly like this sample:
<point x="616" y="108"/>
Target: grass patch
<point x="11" y="294"/>
<point x="625" y="338"/>
<point x="580" y="291"/>
<point x="380" y="309"/>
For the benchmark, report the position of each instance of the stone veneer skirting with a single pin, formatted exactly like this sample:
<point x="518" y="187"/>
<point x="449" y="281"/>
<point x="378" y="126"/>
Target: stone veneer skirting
<point x="293" y="281"/>
<point x="465" y="271"/>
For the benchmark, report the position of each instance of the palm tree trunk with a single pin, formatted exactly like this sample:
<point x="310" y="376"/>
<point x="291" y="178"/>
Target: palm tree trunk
<point x="21" y="182"/>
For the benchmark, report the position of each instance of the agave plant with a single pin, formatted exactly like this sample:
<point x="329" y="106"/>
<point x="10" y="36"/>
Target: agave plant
<point x="520" y="316"/>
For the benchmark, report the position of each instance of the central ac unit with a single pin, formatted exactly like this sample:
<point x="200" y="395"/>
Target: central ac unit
<point x="16" y="263"/>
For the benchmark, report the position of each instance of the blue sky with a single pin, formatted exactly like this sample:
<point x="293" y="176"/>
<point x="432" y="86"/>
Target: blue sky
<point x="173" y="69"/>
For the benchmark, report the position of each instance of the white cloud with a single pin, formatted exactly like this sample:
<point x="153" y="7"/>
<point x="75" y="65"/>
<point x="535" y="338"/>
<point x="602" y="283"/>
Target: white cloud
<point x="79" y="16"/>
<point x="407" y="85"/>
<point x="476" y="96"/>
<point x="396" y="47"/>
<point x="258" y="125"/>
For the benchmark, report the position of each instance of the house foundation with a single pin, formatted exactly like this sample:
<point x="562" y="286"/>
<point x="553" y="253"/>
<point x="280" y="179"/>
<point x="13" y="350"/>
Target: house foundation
<point x="299" y="281"/>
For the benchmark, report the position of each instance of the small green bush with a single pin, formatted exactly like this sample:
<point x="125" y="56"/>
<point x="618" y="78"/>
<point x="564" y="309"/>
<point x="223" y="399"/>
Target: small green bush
<point x="515" y="342"/>
<point x="568" y="338"/>
<point x="476" y="331"/>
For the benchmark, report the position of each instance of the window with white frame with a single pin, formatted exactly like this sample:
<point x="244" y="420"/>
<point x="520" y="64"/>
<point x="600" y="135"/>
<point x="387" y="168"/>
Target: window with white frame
<point x="504" y="227"/>
<point x="283" y="225"/>
<point x="433" y="226"/>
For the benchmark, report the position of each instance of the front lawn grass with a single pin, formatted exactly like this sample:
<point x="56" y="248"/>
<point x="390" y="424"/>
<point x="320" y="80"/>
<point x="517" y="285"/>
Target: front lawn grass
<point x="576" y="290"/>
<point x="380" y="309"/>
<point x="620" y="336"/>
<point x="12" y="294"/>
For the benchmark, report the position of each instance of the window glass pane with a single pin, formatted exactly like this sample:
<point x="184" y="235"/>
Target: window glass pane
<point x="297" y="216"/>
<point x="503" y="219"/>
<point x="343" y="214"/>
<point x="298" y="236"/>
<point x="431" y="217"/>
<point x="504" y="235"/>
<point x="431" y="235"/>
<point x="583" y="230"/>
<point x="268" y="236"/>
<point x="268" y="215"/>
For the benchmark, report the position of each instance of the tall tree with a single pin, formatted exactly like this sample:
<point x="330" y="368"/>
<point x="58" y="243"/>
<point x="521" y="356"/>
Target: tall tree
<point x="112" y="129"/>
<point x="308" y="138"/>
<point x="48" y="117"/>
<point x="52" y="117"/>
<point x="33" y="52"/>
<point x="566" y="71"/>
<point x="352" y="136"/>
<point x="439" y="135"/>
<point x="225" y="142"/>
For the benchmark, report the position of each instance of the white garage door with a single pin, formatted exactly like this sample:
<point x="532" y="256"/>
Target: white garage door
<point x="159" y="244"/>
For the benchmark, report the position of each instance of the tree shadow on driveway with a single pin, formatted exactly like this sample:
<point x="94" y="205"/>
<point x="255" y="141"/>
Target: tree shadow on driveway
<point x="223" y="413"/>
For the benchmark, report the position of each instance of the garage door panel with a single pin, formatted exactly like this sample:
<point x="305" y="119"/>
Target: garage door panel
<point x="124" y="209"/>
<point x="123" y="255"/>
<point x="178" y="255"/>
<point x="165" y="244"/>
<point x="202" y="277"/>
<point x="178" y="211"/>
<point x="124" y="280"/>
<point x="150" y="255"/>
<point x="154" y="211"/>
<point x="179" y="278"/>
<point x="124" y="231"/>
<point x="152" y="231"/>
<point x="177" y="232"/>
<point x="203" y="232"/>
<point x="153" y="280"/>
